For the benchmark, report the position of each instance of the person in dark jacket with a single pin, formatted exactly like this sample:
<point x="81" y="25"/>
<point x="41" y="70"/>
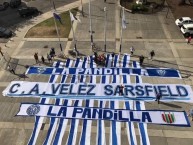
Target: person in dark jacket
<point x="158" y="97"/>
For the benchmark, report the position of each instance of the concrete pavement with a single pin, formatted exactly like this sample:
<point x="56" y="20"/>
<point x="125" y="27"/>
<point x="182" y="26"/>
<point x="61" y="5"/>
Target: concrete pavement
<point x="157" y="33"/>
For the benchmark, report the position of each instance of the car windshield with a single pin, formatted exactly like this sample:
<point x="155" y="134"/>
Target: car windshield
<point x="181" y="19"/>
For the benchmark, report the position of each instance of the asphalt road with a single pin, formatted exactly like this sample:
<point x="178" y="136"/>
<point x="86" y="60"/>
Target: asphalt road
<point x="11" y="19"/>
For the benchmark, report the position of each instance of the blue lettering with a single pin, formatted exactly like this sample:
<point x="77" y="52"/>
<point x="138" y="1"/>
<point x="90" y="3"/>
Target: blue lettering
<point x="64" y="89"/>
<point x="55" y="89"/>
<point x="35" y="89"/>
<point x="62" y="112"/>
<point x="146" y="116"/>
<point x="87" y="113"/>
<point x="163" y="90"/>
<point x="70" y="90"/>
<point x="91" y="87"/>
<point x="182" y="91"/>
<point x="76" y="110"/>
<point x="97" y="112"/>
<point x="132" y="117"/>
<point x="50" y="112"/>
<point x="170" y="92"/>
<point x="81" y="90"/>
<point x="139" y="90"/>
<point x="148" y="89"/>
<point x="107" y="114"/>
<point x="117" y="90"/>
<point x="129" y="89"/>
<point x="121" y="118"/>
<point x="11" y="90"/>
<point x="108" y="90"/>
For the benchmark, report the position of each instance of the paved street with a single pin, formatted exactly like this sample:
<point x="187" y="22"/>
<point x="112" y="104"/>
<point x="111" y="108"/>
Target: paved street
<point x="143" y="32"/>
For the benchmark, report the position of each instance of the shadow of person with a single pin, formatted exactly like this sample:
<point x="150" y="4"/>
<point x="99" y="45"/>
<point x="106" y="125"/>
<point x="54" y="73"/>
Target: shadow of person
<point x="170" y="105"/>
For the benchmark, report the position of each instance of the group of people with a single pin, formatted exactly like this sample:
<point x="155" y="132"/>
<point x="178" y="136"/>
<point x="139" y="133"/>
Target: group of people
<point x="50" y="56"/>
<point x="141" y="57"/>
<point x="99" y="59"/>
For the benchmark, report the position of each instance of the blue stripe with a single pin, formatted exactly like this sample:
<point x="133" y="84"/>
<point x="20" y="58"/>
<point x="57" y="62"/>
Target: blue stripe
<point x="134" y="64"/>
<point x="125" y="79"/>
<point x="84" y="63"/>
<point x="49" y="130"/>
<point x="114" y="79"/>
<point x="115" y="61"/>
<point x="73" y="121"/>
<point x="91" y="61"/>
<point x="77" y="62"/>
<point x="38" y="118"/>
<point x="81" y="78"/>
<point x="114" y="135"/>
<point x="129" y="124"/>
<point x="103" y="79"/>
<point x="107" y="60"/>
<point x="124" y="60"/>
<point x="100" y="127"/>
<point x="141" y="126"/>
<point x="67" y="62"/>
<point x="82" y="141"/>
<point x="99" y="121"/>
<point x="56" y="103"/>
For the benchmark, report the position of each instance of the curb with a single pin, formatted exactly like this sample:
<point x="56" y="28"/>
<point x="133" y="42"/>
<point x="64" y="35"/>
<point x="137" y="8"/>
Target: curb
<point x="128" y="10"/>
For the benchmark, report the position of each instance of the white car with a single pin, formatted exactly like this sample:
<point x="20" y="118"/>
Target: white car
<point x="187" y="29"/>
<point x="183" y="20"/>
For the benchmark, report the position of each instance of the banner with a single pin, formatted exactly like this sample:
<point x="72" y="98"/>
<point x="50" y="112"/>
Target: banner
<point x="141" y="91"/>
<point x="164" y="117"/>
<point x="153" y="72"/>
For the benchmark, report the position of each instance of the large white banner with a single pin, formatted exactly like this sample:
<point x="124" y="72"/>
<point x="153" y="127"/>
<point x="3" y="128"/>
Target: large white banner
<point x="147" y="92"/>
<point x="165" y="117"/>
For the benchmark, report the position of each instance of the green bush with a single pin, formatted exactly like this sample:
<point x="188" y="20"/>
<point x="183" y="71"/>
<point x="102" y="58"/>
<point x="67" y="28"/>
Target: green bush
<point x="139" y="7"/>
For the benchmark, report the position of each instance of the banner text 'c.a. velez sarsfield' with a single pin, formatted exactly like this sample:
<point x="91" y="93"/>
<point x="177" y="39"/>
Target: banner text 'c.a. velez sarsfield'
<point x="99" y="91"/>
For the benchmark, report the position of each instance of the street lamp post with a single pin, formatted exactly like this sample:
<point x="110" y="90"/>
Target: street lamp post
<point x="90" y="27"/>
<point x="82" y="8"/>
<point x="105" y="10"/>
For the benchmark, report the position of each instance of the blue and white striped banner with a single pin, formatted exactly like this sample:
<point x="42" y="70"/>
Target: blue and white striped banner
<point x="151" y="72"/>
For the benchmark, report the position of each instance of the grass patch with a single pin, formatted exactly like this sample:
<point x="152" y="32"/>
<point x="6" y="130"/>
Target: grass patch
<point x="46" y="29"/>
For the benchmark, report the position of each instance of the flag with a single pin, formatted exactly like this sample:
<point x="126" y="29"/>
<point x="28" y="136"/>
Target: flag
<point x="123" y="20"/>
<point x="57" y="17"/>
<point x="72" y="17"/>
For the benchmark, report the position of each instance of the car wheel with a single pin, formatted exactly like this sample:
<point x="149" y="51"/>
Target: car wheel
<point x="187" y="34"/>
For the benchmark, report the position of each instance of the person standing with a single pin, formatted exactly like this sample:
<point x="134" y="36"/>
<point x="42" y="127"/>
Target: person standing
<point x="11" y="69"/>
<point x="141" y="59"/>
<point x="191" y="113"/>
<point x="132" y="50"/>
<point x="49" y="58"/>
<point x="152" y="54"/>
<point x="189" y="40"/>
<point x="121" y="87"/>
<point x="158" y="97"/>
<point x="36" y="57"/>
<point x="1" y="51"/>
<point x="43" y="59"/>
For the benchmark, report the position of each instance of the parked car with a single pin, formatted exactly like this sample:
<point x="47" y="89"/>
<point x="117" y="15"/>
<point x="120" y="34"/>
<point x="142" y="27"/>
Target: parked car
<point x="15" y="3"/>
<point x="5" y="33"/>
<point x="4" y="5"/>
<point x="187" y="29"/>
<point x="27" y="11"/>
<point x="183" y="20"/>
